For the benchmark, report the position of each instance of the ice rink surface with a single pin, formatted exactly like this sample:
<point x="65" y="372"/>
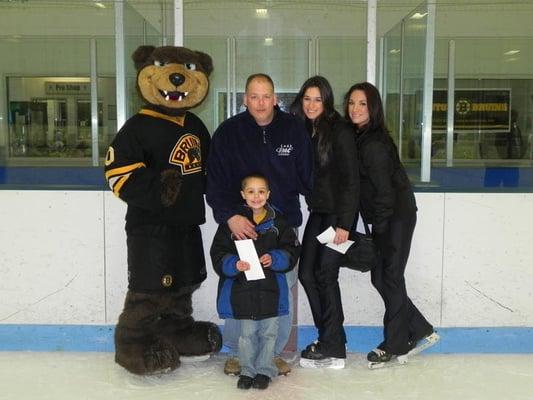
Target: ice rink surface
<point x="77" y="376"/>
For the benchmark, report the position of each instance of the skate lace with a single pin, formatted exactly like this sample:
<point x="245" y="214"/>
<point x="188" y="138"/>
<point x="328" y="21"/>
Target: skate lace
<point x="379" y="352"/>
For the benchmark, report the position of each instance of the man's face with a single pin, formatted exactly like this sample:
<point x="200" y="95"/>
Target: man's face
<point x="260" y="100"/>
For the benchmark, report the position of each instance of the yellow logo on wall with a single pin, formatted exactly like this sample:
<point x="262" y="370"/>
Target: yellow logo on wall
<point x="187" y="154"/>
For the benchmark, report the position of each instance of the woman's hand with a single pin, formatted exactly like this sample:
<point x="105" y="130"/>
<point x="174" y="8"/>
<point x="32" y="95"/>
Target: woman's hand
<point x="341" y="236"/>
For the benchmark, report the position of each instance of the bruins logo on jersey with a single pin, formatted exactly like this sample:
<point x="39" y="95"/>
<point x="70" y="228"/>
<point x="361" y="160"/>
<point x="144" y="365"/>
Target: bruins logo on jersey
<point x="187" y="154"/>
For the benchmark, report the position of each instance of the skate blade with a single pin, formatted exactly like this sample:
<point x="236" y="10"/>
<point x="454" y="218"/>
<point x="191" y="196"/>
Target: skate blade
<point x="193" y="359"/>
<point x="399" y="360"/>
<point x="337" y="363"/>
<point x="428" y="342"/>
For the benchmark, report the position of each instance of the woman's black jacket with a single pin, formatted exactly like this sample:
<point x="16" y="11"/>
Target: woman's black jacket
<point x="386" y="191"/>
<point x="336" y="182"/>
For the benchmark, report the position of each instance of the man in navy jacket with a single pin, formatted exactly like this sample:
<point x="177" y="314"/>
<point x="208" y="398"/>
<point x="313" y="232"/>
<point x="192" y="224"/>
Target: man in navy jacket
<point x="263" y="139"/>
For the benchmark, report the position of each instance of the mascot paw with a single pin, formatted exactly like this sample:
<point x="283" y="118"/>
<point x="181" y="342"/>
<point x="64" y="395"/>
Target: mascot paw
<point x="214" y="336"/>
<point x="170" y="186"/>
<point x="159" y="359"/>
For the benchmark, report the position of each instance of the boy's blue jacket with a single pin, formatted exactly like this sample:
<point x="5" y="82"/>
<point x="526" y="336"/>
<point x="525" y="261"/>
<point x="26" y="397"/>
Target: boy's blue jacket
<point x="281" y="151"/>
<point x="266" y="298"/>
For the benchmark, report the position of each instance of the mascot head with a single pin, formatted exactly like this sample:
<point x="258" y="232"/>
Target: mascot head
<point x="172" y="78"/>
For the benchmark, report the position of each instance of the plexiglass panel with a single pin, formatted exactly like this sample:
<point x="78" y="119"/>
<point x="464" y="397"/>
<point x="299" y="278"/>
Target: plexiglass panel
<point x="343" y="62"/>
<point x="286" y="60"/>
<point x="210" y="110"/>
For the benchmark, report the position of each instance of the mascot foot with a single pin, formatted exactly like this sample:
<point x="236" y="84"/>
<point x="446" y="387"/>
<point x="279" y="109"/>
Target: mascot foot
<point x="201" y="338"/>
<point x="159" y="359"/>
<point x="147" y="360"/>
<point x="214" y="336"/>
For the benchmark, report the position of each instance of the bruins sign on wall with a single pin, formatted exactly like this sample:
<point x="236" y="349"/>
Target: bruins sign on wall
<point x="476" y="110"/>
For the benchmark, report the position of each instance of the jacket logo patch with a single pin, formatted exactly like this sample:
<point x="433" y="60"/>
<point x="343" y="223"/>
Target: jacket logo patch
<point x="187" y="154"/>
<point x="284" y="150"/>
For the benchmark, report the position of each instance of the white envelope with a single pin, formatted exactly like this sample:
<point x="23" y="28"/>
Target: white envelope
<point x="327" y="238"/>
<point x="247" y="253"/>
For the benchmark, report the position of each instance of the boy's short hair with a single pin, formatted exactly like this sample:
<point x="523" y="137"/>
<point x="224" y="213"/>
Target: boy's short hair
<point x="254" y="175"/>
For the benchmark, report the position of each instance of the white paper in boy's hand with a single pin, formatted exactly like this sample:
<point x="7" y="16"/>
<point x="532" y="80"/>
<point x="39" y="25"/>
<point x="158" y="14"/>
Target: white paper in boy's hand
<point x="247" y="253"/>
<point x="328" y="236"/>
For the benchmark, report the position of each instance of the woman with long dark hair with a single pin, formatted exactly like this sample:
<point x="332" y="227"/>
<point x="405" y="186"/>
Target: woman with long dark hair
<point x="388" y="204"/>
<point x="332" y="203"/>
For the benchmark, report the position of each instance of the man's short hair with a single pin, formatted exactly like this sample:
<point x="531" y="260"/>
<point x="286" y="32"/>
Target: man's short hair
<point x="260" y="77"/>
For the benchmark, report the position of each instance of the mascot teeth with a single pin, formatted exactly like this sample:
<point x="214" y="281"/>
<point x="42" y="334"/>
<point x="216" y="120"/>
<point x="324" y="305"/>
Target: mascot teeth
<point x="177" y="95"/>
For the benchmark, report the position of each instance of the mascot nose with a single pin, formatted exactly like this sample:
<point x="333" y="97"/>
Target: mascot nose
<point x="176" y="79"/>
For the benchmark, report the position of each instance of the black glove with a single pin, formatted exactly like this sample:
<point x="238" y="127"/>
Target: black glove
<point x="170" y="186"/>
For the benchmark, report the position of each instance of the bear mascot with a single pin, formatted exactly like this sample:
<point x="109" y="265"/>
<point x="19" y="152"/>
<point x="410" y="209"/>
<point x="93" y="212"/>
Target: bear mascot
<point x="156" y="163"/>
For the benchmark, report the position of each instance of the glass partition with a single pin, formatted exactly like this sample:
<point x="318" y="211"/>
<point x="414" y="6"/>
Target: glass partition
<point x="343" y="62"/>
<point x="137" y="31"/>
<point x="286" y="60"/>
<point x="405" y="57"/>
<point x="210" y="110"/>
<point x="45" y="90"/>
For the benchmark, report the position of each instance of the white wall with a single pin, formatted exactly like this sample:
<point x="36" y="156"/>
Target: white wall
<point x="64" y="261"/>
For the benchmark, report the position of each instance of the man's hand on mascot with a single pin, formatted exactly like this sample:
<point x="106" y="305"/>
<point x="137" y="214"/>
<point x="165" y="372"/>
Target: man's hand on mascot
<point x="170" y="186"/>
<point x="241" y="227"/>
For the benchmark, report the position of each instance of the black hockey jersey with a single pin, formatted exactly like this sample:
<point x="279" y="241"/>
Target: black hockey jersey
<point x="148" y="143"/>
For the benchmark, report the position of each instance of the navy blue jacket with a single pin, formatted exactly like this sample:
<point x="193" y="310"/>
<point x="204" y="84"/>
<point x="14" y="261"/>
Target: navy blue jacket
<point x="265" y="298"/>
<point x="281" y="151"/>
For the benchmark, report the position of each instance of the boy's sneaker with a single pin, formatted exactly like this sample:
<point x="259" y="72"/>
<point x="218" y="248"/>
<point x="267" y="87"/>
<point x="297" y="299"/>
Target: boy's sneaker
<point x="245" y="382"/>
<point x="282" y="366"/>
<point x="261" y="381"/>
<point x="312" y="357"/>
<point x="232" y="366"/>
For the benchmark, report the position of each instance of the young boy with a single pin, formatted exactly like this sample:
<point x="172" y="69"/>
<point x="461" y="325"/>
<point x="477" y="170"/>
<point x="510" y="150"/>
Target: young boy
<point x="257" y="303"/>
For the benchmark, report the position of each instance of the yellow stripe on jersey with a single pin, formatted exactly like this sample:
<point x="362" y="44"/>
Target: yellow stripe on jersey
<point x="180" y="120"/>
<point x="123" y="170"/>
<point x="119" y="184"/>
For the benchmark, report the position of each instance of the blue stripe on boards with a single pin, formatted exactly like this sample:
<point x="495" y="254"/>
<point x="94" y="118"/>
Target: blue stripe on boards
<point x="361" y="339"/>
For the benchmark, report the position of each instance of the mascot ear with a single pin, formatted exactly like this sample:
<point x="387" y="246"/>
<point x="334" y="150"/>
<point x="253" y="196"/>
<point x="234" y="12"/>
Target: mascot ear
<point x="206" y="61"/>
<point x="142" y="54"/>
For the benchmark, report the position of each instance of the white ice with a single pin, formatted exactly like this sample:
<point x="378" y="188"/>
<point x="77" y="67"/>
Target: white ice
<point x="66" y="375"/>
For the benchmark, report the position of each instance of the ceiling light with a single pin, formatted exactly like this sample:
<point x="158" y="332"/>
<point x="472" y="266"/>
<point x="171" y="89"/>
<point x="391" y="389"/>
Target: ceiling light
<point x="99" y="5"/>
<point x="269" y="41"/>
<point x="511" y="52"/>
<point x="261" y="13"/>
<point x="418" y="15"/>
<point x="394" y="51"/>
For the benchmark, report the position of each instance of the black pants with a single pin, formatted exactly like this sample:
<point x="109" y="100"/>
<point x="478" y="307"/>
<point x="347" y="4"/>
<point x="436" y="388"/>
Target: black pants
<point x="402" y="321"/>
<point x="318" y="273"/>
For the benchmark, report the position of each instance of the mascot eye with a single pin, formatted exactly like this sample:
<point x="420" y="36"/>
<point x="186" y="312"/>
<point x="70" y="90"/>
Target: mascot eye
<point x="160" y="63"/>
<point x="190" y="66"/>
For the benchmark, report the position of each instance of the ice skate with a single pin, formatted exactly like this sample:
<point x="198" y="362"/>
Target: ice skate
<point x="424" y="344"/>
<point x="379" y="358"/>
<point x="312" y="357"/>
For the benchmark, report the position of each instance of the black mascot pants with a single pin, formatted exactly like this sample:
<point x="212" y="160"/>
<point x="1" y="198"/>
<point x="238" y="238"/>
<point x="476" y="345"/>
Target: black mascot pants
<point x="164" y="258"/>
<point x="319" y="275"/>
<point x="402" y="322"/>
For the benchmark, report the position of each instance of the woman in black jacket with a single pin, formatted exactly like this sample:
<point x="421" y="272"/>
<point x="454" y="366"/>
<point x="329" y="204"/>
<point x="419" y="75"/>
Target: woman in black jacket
<point x="332" y="203"/>
<point x="388" y="204"/>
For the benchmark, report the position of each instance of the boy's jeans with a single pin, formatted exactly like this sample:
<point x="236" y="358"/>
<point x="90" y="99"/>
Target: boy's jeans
<point x="232" y="327"/>
<point x="256" y="347"/>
